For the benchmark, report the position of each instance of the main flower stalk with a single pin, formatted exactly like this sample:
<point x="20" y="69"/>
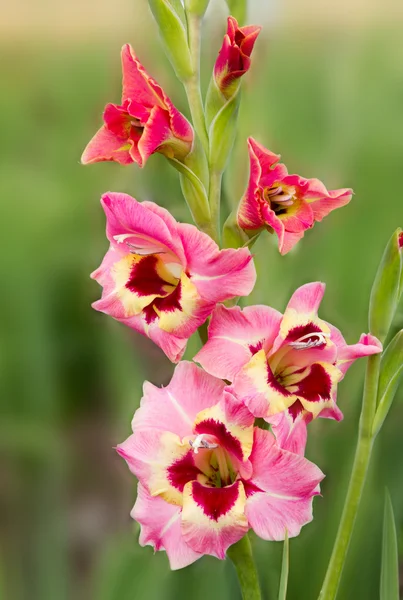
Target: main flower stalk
<point x="242" y="557"/>
<point x="357" y="481"/>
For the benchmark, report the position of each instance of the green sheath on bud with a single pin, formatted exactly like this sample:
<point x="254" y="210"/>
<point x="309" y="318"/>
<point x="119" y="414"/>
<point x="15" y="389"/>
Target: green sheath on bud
<point x="222" y="132"/>
<point x="390" y="374"/>
<point x="196" y="7"/>
<point x="170" y="19"/>
<point x="232" y="235"/>
<point x="386" y="289"/>
<point x="238" y="9"/>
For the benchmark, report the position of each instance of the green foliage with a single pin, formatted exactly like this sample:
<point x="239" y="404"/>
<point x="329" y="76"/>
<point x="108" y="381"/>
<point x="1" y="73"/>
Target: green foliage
<point x="174" y="37"/>
<point x="386" y="289"/>
<point x="389" y="379"/>
<point x="389" y="588"/>
<point x="238" y="9"/>
<point x="282" y="592"/>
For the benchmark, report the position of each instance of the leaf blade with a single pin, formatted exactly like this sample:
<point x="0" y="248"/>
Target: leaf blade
<point x="389" y="585"/>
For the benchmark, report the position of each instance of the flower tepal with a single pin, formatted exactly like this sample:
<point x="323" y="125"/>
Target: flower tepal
<point x="234" y="57"/>
<point x="145" y="122"/>
<point x="164" y="278"/>
<point x="285" y="204"/>
<point x="285" y="368"/>
<point x="207" y="475"/>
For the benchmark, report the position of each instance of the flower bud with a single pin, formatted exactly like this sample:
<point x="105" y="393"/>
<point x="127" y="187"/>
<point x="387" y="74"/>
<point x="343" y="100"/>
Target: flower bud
<point x="387" y="287"/>
<point x="390" y="374"/>
<point x="196" y="7"/>
<point x="170" y="19"/>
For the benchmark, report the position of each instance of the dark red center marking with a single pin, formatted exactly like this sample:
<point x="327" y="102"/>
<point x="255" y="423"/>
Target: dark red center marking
<point x="144" y="279"/>
<point x="215" y="502"/>
<point x="182" y="471"/>
<point x="224" y="437"/>
<point x="316" y="386"/>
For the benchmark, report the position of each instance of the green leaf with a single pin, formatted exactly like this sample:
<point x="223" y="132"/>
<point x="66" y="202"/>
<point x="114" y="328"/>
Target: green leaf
<point x="174" y="37"/>
<point x="391" y="371"/>
<point x="389" y="588"/>
<point x="238" y="9"/>
<point x="282" y="593"/>
<point x="386" y="288"/>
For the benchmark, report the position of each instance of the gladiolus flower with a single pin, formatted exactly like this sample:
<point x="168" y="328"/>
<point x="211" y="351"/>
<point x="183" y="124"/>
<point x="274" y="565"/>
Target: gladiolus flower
<point x="144" y="123"/>
<point x="285" y="204"/>
<point x="233" y="60"/>
<point x="285" y="368"/>
<point x="206" y="474"/>
<point x="163" y="278"/>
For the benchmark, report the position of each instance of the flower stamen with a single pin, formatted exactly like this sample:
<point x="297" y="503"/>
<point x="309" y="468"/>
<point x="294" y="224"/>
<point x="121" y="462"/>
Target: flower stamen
<point x="312" y="340"/>
<point x="200" y="442"/>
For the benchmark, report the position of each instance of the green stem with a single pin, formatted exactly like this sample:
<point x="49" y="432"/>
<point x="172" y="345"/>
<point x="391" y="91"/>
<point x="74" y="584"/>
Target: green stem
<point x="214" y="197"/>
<point x="192" y="85"/>
<point x="357" y="481"/>
<point x="241" y="555"/>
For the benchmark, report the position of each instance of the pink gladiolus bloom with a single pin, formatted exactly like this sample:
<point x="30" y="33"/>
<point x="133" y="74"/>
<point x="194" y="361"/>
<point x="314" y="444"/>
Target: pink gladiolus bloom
<point x="206" y="474"/>
<point x="285" y="204"/>
<point x="234" y="57"/>
<point x="163" y="278"/>
<point x="145" y="122"/>
<point x="285" y="368"/>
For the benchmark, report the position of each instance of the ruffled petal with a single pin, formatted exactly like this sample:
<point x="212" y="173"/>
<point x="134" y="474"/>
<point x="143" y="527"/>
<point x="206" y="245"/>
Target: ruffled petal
<point x="174" y="407"/>
<point x="367" y="345"/>
<point x="160" y="527"/>
<point x="106" y="145"/>
<point x="136" y="81"/>
<point x="151" y="455"/>
<point x="290" y="428"/>
<point x="217" y="274"/>
<point x="213" y="518"/>
<point x="125" y="215"/>
<point x="281" y="490"/>
<point x="235" y="335"/>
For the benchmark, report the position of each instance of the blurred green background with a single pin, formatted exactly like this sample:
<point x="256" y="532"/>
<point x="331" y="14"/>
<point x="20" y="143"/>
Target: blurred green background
<point x="325" y="91"/>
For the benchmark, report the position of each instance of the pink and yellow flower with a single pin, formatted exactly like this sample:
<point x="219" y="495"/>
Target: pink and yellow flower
<point x="207" y="475"/>
<point x="145" y="122"/>
<point x="285" y="204"/>
<point x="163" y="278"/>
<point x="233" y="60"/>
<point x="285" y="368"/>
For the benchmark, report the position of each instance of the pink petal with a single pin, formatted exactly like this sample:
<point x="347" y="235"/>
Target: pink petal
<point x="174" y="407"/>
<point x="282" y="488"/>
<point x="106" y="145"/>
<point x="136" y="81"/>
<point x="367" y="345"/>
<point x="125" y="215"/>
<point x="156" y="133"/>
<point x="307" y="298"/>
<point x="213" y="518"/>
<point x="234" y="335"/>
<point x="290" y="428"/>
<point x="217" y="274"/>
<point x="160" y="524"/>
<point x="323" y="201"/>
<point x="286" y="239"/>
